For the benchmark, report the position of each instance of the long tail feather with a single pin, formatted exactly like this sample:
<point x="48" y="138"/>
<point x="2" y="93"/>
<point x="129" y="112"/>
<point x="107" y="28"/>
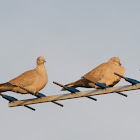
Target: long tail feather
<point x="78" y="83"/>
<point x="6" y="87"/>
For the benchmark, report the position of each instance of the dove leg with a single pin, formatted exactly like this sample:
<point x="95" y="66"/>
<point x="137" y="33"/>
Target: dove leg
<point x="35" y="94"/>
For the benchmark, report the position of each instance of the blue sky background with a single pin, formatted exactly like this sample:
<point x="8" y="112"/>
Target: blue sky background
<point x="74" y="36"/>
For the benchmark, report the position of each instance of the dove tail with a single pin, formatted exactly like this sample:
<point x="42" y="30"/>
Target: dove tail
<point x="6" y="87"/>
<point x="69" y="85"/>
<point x="79" y="83"/>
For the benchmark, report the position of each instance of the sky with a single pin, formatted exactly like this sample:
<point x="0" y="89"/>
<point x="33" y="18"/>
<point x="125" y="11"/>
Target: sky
<point x="74" y="36"/>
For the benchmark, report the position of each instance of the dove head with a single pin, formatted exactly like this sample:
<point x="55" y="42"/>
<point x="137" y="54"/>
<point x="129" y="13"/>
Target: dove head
<point x="115" y="60"/>
<point x="40" y="60"/>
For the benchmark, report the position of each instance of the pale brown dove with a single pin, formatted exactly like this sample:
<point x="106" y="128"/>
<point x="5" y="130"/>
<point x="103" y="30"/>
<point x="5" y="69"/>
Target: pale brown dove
<point x="103" y="73"/>
<point x="33" y="80"/>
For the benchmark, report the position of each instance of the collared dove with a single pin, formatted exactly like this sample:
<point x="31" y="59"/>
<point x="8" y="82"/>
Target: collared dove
<point x="33" y="80"/>
<point x="103" y="73"/>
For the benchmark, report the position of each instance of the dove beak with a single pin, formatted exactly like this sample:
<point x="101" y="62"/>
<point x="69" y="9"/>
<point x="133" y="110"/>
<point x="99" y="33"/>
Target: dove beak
<point x="44" y="61"/>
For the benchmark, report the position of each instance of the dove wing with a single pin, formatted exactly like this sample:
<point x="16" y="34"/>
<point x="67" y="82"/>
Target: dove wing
<point x="97" y="73"/>
<point x="25" y="79"/>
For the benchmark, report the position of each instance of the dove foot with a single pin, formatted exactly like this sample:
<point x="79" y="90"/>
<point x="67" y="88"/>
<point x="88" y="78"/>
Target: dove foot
<point x="35" y="93"/>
